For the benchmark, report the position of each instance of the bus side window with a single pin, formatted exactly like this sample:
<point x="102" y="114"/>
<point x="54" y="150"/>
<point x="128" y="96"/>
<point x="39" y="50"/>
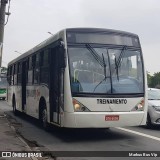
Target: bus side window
<point x="19" y="73"/>
<point x="30" y="71"/>
<point x="15" y="74"/>
<point x="9" y="75"/>
<point x="36" y="68"/>
<point x="44" y="64"/>
<point x="27" y="68"/>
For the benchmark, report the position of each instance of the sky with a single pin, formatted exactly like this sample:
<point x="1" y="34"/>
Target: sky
<point x="31" y="20"/>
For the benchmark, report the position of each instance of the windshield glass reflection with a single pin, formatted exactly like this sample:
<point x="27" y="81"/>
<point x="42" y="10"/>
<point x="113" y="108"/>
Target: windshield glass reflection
<point x="95" y="70"/>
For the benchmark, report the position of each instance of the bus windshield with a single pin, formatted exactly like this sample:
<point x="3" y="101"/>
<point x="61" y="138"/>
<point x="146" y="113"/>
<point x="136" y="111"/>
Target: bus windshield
<point x="105" y="70"/>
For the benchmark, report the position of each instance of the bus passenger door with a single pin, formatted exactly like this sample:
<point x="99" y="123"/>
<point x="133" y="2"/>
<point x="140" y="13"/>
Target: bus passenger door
<point x="23" y="85"/>
<point x="54" y="86"/>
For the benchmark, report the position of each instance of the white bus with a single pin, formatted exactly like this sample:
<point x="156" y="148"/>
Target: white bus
<point x="81" y="78"/>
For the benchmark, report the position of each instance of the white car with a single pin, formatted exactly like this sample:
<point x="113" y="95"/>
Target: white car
<point x="153" y="116"/>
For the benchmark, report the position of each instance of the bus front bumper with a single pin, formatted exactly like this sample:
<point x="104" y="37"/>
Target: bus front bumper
<point x="98" y="119"/>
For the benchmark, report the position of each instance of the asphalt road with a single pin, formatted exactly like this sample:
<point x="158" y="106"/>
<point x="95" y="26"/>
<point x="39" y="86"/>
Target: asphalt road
<point x="113" y="139"/>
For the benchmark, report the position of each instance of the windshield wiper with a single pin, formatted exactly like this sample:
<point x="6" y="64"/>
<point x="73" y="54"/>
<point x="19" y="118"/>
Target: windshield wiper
<point x="105" y="75"/>
<point x="100" y="60"/>
<point x="95" y="54"/>
<point x="118" y="62"/>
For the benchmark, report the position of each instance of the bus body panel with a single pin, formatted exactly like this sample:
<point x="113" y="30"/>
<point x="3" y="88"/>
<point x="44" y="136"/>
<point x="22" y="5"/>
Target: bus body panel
<point x="9" y="95"/>
<point x="97" y="119"/>
<point x="18" y="97"/>
<point x="109" y="104"/>
<point x="67" y="93"/>
<point x="33" y="95"/>
<point x="32" y="101"/>
<point x="14" y="92"/>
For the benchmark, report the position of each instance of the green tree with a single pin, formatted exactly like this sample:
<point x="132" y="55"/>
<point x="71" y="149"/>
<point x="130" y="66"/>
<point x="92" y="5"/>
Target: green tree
<point x="155" y="80"/>
<point x="149" y="79"/>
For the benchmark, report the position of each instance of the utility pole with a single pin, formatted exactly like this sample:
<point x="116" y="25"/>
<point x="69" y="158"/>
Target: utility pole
<point x="2" y="21"/>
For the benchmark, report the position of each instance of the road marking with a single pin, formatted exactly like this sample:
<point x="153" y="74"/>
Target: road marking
<point x="139" y="133"/>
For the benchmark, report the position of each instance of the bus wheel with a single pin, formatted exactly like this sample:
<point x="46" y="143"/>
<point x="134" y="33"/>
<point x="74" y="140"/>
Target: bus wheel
<point x="148" y="122"/>
<point x="43" y="118"/>
<point x="14" y="107"/>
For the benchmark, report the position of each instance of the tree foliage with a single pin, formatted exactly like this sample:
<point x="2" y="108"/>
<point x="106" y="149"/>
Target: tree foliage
<point x="154" y="81"/>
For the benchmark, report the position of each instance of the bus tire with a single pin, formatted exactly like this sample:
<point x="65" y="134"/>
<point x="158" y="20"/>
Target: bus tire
<point x="148" y="122"/>
<point x="43" y="116"/>
<point x="14" y="107"/>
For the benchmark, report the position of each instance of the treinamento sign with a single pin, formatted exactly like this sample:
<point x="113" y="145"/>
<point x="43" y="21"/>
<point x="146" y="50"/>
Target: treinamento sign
<point x="111" y="101"/>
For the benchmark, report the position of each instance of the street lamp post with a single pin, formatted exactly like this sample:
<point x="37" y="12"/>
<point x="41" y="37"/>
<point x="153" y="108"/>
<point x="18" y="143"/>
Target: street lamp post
<point x="50" y="33"/>
<point x="18" y="52"/>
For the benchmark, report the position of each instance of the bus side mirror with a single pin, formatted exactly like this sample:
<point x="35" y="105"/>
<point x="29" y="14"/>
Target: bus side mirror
<point x="62" y="54"/>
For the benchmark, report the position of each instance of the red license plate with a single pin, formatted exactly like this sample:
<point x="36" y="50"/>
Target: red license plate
<point x="112" y="118"/>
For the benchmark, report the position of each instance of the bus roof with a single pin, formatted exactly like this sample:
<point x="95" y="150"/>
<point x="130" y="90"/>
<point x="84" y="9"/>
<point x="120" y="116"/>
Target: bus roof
<point x="39" y="46"/>
<point x="61" y="34"/>
<point x="103" y="30"/>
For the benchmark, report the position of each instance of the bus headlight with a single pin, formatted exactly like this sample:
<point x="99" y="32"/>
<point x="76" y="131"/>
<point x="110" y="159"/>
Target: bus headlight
<point x="139" y="106"/>
<point x="78" y="107"/>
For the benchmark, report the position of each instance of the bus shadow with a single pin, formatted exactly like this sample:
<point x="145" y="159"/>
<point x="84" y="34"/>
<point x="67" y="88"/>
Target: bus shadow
<point x="151" y="128"/>
<point x="72" y="135"/>
<point x="76" y="135"/>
